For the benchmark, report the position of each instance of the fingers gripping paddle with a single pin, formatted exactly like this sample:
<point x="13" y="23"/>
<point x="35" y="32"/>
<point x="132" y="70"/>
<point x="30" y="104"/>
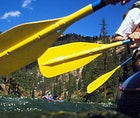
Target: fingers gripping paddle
<point x="61" y="59"/>
<point x="25" y="43"/>
<point x="102" y="79"/>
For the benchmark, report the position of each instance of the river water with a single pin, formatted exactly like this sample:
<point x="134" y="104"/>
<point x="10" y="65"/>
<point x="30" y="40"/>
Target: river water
<point x="39" y="108"/>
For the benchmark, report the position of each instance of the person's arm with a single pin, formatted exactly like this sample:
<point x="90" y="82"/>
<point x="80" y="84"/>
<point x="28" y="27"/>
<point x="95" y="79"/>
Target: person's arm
<point x="135" y="37"/>
<point x="128" y="28"/>
<point x="116" y="1"/>
<point x="119" y="37"/>
<point x="128" y="25"/>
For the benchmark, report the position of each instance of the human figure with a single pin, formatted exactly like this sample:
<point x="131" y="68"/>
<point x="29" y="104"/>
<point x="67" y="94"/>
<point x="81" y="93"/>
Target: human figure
<point x="60" y="99"/>
<point x="130" y="28"/>
<point x="50" y="97"/>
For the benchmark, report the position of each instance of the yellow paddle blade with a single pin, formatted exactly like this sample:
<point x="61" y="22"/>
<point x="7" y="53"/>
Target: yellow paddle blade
<point x="22" y="32"/>
<point x="100" y="81"/>
<point x="55" y="61"/>
<point x="66" y="58"/>
<point x="23" y="44"/>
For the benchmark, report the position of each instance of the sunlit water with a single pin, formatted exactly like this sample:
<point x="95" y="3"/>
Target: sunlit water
<point x="26" y="104"/>
<point x="39" y="108"/>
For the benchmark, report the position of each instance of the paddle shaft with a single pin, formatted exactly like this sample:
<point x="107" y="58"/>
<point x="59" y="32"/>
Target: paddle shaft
<point x="85" y="53"/>
<point x="66" y="21"/>
<point x="125" y="61"/>
<point x="30" y="45"/>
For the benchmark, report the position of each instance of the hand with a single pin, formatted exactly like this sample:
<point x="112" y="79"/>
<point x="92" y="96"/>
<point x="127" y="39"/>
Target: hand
<point x="116" y="1"/>
<point x="135" y="37"/>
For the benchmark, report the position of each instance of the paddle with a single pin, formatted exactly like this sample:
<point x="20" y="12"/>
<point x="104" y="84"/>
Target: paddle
<point x="64" y="58"/>
<point x="102" y="79"/>
<point x="25" y="43"/>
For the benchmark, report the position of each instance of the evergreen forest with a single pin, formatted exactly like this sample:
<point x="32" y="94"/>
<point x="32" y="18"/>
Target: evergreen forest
<point x="28" y="81"/>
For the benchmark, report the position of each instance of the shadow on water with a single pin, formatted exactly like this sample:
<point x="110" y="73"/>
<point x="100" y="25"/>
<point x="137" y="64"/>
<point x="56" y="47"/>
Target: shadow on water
<point x="38" y="108"/>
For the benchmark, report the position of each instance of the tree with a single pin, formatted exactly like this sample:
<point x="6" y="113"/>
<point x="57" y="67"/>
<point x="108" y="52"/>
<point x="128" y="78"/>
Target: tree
<point x="103" y="28"/>
<point x="105" y="39"/>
